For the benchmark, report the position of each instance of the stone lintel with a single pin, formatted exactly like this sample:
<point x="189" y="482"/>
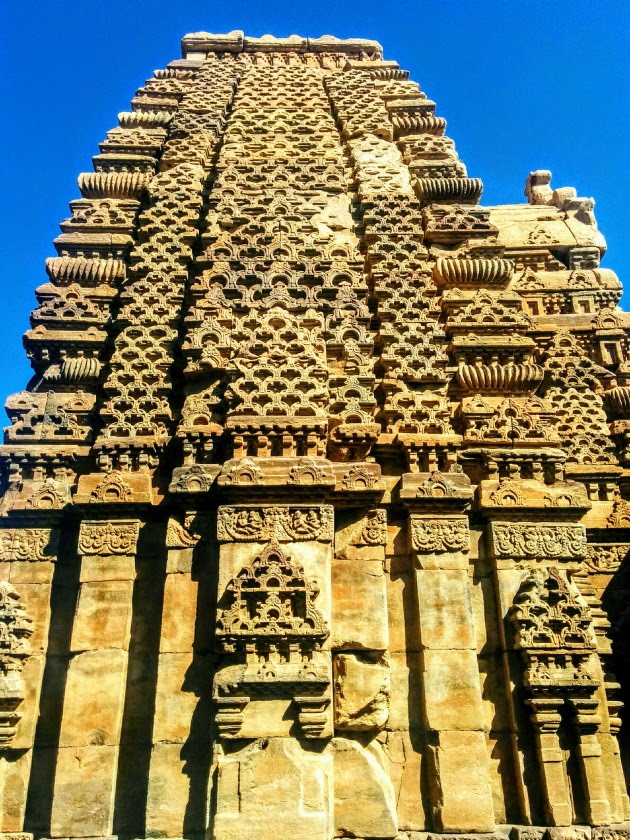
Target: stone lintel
<point x="197" y="44"/>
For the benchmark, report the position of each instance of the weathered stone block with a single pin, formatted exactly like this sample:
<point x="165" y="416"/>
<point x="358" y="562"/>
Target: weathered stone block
<point x="14" y="779"/>
<point x="94" y="694"/>
<point x="444" y="605"/>
<point x="177" y="801"/>
<point x="179" y="614"/>
<point x="364" y="795"/>
<point x="95" y="567"/>
<point x="180" y="560"/>
<point x="452" y="696"/>
<point x="405" y="702"/>
<point x="487" y="631"/>
<point x="175" y="700"/>
<point x="30" y="571"/>
<point x="461" y="795"/>
<point x="84" y="792"/>
<point x="402" y="611"/>
<point x="103" y="615"/>
<point x="505" y="801"/>
<point x="276" y="777"/>
<point x="406" y="752"/>
<point x="359" y="619"/>
<point x="361" y="689"/>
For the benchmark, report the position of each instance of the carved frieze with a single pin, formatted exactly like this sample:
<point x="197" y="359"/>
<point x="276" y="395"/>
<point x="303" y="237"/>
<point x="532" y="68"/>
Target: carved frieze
<point x="606" y="558"/>
<point x="28" y="543"/>
<point x="440" y="534"/>
<point x="105" y="537"/>
<point x="284" y="523"/>
<point x="538" y="542"/>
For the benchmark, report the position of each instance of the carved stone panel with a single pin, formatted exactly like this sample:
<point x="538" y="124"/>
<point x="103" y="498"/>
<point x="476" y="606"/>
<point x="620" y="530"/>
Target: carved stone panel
<point x="538" y="542"/>
<point x="28" y="543"/>
<point x="285" y="523"/>
<point x="432" y="534"/>
<point x="105" y="537"/>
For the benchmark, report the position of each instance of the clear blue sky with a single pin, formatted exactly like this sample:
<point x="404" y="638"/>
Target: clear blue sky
<point x="523" y="84"/>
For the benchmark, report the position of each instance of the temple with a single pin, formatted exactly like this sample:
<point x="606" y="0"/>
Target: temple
<point x="315" y="513"/>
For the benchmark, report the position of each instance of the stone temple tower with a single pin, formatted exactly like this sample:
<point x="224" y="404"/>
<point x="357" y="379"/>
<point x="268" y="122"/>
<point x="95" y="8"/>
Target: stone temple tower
<point x="316" y="510"/>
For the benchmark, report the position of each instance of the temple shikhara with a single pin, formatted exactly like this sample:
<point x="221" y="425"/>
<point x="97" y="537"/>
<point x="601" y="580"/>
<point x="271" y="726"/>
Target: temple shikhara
<point x="315" y="514"/>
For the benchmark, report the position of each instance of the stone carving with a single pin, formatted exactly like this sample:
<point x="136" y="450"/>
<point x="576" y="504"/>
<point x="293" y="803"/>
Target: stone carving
<point x="374" y="530"/>
<point x="272" y="623"/>
<point x="272" y="603"/>
<point x="245" y="472"/>
<point x="306" y="472"/>
<point x="539" y="542"/>
<point x="553" y="630"/>
<point x="620" y="516"/>
<point x="606" y="558"/>
<point x="292" y="524"/>
<point x="112" y="488"/>
<point x="194" y="529"/>
<point x="119" y="537"/>
<point x="28" y="543"/>
<point x="444" y="534"/>
<point x="15" y="629"/>
<point x="359" y="477"/>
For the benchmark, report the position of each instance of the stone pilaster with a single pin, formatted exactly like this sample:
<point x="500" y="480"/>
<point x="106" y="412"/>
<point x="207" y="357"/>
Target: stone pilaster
<point x="451" y="692"/>
<point x="181" y="749"/>
<point x="27" y="557"/>
<point x="89" y="742"/>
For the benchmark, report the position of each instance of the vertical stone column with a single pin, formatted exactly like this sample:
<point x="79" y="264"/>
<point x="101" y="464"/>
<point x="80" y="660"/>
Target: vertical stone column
<point x="603" y="562"/>
<point x="546" y="722"/>
<point x="177" y="799"/>
<point x="27" y="557"/>
<point x="589" y="755"/>
<point x="83" y="801"/>
<point x="552" y="630"/>
<point x="451" y="692"/>
<point x="362" y="681"/>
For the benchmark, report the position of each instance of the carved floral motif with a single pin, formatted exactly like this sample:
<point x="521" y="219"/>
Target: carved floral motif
<point x="374" y="530"/>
